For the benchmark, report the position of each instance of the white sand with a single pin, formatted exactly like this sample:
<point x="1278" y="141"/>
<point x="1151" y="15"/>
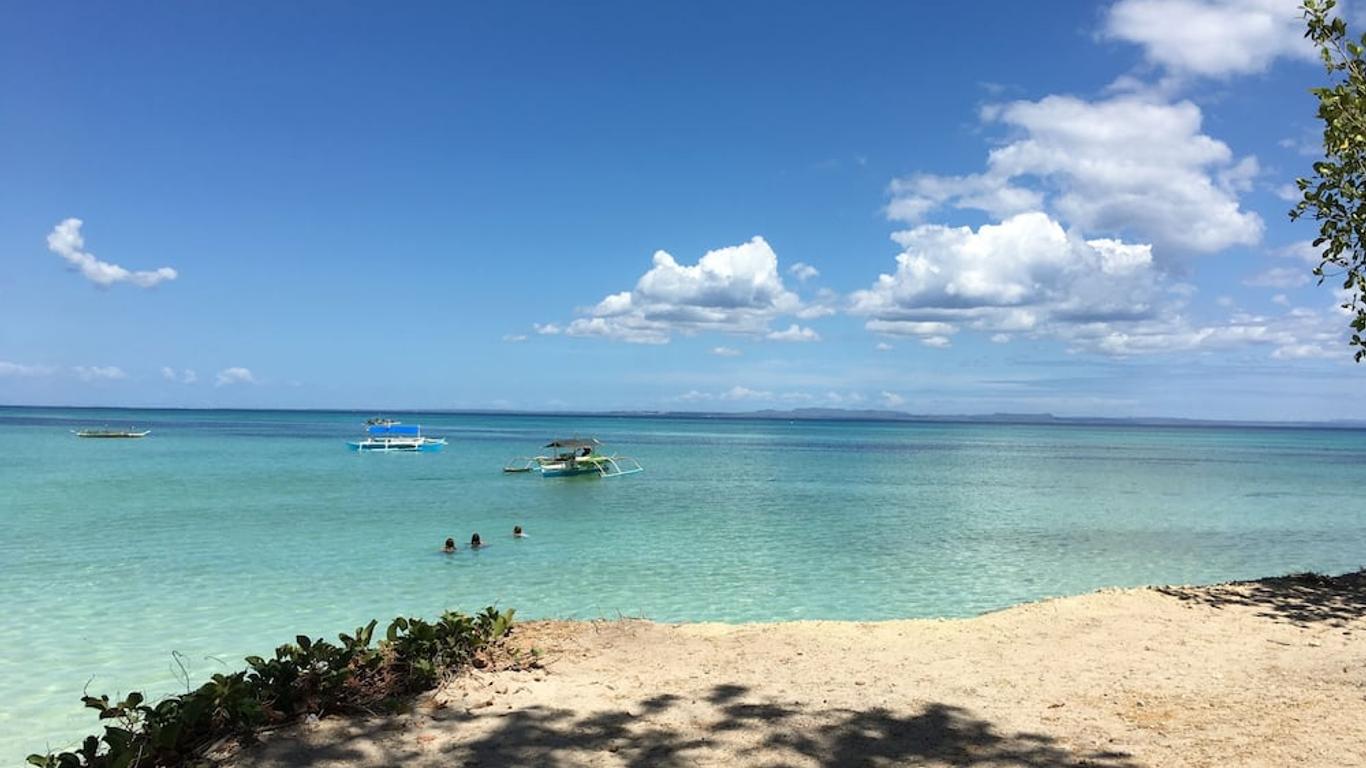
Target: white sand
<point x="1268" y="673"/>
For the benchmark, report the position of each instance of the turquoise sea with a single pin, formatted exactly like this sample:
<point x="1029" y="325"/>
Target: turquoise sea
<point x="228" y="532"/>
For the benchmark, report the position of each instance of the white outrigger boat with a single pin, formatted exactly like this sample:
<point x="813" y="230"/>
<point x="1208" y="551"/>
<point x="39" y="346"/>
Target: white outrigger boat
<point x="107" y="433"/>
<point x="396" y="437"/>
<point x="575" y="456"/>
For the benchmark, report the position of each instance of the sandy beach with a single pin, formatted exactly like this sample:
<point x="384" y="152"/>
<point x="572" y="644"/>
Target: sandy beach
<point x="1266" y="673"/>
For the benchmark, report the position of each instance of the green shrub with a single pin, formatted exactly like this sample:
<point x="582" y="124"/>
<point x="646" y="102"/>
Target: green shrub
<point x="308" y="677"/>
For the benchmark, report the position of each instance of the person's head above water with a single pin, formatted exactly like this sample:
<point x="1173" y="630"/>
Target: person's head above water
<point x="475" y="541"/>
<point x="450" y="545"/>
<point x="517" y="530"/>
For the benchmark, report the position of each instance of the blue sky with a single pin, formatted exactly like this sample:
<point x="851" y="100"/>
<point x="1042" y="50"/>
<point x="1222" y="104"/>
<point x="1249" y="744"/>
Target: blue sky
<point x="948" y="208"/>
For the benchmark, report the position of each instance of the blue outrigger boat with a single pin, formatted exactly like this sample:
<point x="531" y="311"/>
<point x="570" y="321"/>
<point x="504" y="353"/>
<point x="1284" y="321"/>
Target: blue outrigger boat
<point x="394" y="437"/>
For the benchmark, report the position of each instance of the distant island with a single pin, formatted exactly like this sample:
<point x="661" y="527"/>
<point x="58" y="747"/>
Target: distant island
<point x="772" y="414"/>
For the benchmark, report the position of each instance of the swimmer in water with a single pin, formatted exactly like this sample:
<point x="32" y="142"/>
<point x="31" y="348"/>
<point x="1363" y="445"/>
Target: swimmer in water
<point x="450" y="546"/>
<point x="476" y="542"/>
<point x="517" y="532"/>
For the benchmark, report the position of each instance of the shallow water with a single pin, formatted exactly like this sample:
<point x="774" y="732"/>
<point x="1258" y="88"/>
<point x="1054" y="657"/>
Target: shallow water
<point x="227" y="533"/>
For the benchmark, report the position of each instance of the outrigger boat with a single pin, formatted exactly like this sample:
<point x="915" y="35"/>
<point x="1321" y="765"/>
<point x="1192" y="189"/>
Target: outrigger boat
<point x="392" y="437"/>
<point x="575" y="456"/>
<point x="111" y="433"/>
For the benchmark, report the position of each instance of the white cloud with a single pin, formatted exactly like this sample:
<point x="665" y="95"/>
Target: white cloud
<point x="911" y="327"/>
<point x="1027" y="275"/>
<point x="1279" y="277"/>
<point x="849" y="398"/>
<point x="1024" y="274"/>
<point x="1211" y="38"/>
<point x="1127" y="165"/>
<point x="99" y="373"/>
<point x="619" y="329"/>
<point x="883" y="346"/>
<point x="1298" y="333"/>
<point x="186" y="376"/>
<point x="1308" y="352"/>
<point x="693" y="395"/>
<point x="20" y="370"/>
<point x="66" y="241"/>
<point x="1281" y="299"/>
<point x="822" y="305"/>
<point x="737" y="289"/>
<point x="234" y="375"/>
<point x="794" y="332"/>
<point x="513" y="338"/>
<point x="1302" y="251"/>
<point x="546" y="329"/>
<point x="726" y="352"/>
<point x="915" y="196"/>
<point x="803" y="271"/>
<point x="1288" y="192"/>
<point x="745" y="393"/>
<point x="892" y="399"/>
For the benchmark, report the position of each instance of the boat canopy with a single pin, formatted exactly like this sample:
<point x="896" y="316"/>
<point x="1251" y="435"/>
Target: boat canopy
<point x="393" y="430"/>
<point x="574" y="443"/>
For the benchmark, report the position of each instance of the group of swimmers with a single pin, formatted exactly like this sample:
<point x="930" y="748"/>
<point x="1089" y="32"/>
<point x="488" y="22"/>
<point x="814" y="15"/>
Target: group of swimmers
<point x="476" y="542"/>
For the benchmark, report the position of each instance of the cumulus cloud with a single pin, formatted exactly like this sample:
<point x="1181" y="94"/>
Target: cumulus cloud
<point x="726" y="351"/>
<point x="99" y="373"/>
<point x="1026" y="273"/>
<point x="234" y="375"/>
<point x="1211" y="38"/>
<point x="546" y="329"/>
<point x="1127" y="165"/>
<point x="892" y="399"/>
<point x="803" y="271"/>
<point x="737" y="289"/>
<point x="66" y="241"/>
<point x="794" y="332"/>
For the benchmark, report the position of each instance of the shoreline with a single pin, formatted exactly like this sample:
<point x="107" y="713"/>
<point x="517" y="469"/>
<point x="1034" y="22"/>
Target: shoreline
<point x="1265" y="672"/>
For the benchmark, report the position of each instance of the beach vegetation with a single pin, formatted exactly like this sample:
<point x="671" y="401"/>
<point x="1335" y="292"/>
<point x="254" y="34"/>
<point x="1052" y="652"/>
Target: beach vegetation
<point x="1335" y="195"/>
<point x="310" y="676"/>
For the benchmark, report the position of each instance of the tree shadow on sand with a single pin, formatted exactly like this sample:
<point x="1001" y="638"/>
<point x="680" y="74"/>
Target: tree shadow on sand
<point x="726" y="727"/>
<point x="1302" y="599"/>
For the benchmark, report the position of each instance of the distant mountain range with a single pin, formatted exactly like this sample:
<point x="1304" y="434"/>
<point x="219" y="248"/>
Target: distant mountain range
<point x="795" y="414"/>
<point x="873" y="414"/>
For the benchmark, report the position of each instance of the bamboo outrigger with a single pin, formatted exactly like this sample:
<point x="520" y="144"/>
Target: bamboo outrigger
<point x="575" y="456"/>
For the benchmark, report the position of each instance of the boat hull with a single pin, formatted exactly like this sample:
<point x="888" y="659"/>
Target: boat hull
<point x="552" y="471"/>
<point x="426" y="445"/>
